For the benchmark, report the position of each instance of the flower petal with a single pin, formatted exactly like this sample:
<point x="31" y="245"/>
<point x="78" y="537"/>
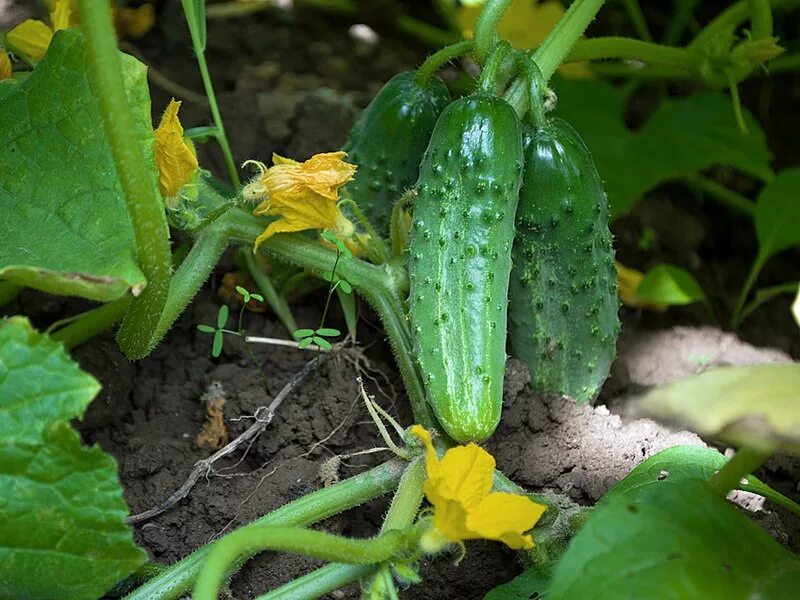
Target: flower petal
<point x="30" y="38"/>
<point x="432" y="465"/>
<point x="61" y="15"/>
<point x="175" y="159"/>
<point x="505" y="517"/>
<point x="467" y="475"/>
<point x="5" y="65"/>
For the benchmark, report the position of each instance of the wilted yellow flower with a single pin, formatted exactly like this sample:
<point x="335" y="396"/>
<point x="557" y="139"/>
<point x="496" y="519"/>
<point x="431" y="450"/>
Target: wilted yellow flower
<point x="304" y="195"/>
<point x="175" y="158"/>
<point x="134" y="22"/>
<point x="460" y="489"/>
<point x="31" y="38"/>
<point x="5" y="65"/>
<point x="525" y="24"/>
<point x="628" y="282"/>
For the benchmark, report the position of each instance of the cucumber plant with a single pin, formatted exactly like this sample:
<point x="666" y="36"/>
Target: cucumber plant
<point x="508" y="244"/>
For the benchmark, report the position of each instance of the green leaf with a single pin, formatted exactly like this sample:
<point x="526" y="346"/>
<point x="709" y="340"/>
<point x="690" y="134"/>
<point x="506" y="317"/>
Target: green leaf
<point x="243" y="292"/>
<point x="321" y="342"/>
<point x="222" y="316"/>
<point x="682" y="137"/>
<point x="206" y="328"/>
<point x="258" y="297"/>
<point x="527" y="586"/>
<point x="688" y="462"/>
<point x="777" y="217"/>
<point x="756" y="406"/>
<point x="328" y="332"/>
<point x="305" y="342"/>
<point x="61" y="505"/>
<point x="65" y="228"/>
<point x="202" y="133"/>
<point x="39" y="383"/>
<point x="345" y="286"/>
<point x="677" y="539"/>
<point x="303" y="333"/>
<point x="350" y="310"/>
<point x="668" y="284"/>
<point x="216" y="345"/>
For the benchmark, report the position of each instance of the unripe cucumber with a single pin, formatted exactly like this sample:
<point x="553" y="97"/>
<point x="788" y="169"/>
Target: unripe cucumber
<point x="388" y="140"/>
<point x="460" y="261"/>
<point x="563" y="320"/>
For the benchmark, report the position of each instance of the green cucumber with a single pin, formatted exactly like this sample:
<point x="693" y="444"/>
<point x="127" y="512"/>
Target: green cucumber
<point x="388" y="140"/>
<point x="563" y="320"/>
<point x="460" y="261"/>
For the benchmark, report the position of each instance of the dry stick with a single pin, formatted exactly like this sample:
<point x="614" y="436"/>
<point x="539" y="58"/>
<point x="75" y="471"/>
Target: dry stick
<point x="202" y="467"/>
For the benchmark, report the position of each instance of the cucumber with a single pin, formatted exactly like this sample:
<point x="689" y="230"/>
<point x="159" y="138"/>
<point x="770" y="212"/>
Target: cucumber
<point x="563" y="320"/>
<point x="460" y="261"/>
<point x="388" y="140"/>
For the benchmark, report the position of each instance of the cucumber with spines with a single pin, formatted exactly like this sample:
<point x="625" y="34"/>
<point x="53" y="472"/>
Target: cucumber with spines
<point x="563" y="320"/>
<point x="460" y="261"/>
<point x="388" y="140"/>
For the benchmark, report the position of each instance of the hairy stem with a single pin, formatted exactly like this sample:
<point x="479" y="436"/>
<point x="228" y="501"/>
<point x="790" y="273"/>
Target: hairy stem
<point x="486" y="28"/>
<point x="440" y="58"/>
<point x="137" y="179"/>
<point x="744" y="462"/>
<point x="178" y="579"/>
<point x="628" y="48"/>
<point x="562" y="37"/>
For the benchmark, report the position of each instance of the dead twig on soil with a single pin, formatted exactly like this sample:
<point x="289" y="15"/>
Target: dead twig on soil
<point x="263" y="417"/>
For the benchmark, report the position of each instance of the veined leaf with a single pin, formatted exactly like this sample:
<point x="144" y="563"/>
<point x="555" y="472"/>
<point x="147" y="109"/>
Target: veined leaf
<point x="64" y="223"/>
<point x="777" y="217"/>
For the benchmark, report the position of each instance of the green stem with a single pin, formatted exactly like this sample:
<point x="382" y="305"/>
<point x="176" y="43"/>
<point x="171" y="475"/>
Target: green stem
<point x="562" y="37"/>
<point x="320" y="582"/>
<point x="752" y="276"/>
<point x="91" y="323"/>
<point x="440" y="58"/>
<point x="425" y="32"/>
<point x="518" y="95"/>
<point x="324" y="580"/>
<point x="136" y="176"/>
<point x="498" y="69"/>
<point x="628" y="48"/>
<point x="486" y="28"/>
<point x="251" y="540"/>
<point x="723" y="195"/>
<point x="760" y="19"/>
<point x="198" y="43"/>
<point x="744" y="462"/>
<point x="8" y="291"/>
<point x="682" y="16"/>
<point x="735" y="15"/>
<point x="638" y="20"/>
<point x="765" y="295"/>
<point x="536" y="90"/>
<point x="377" y="251"/>
<point x="275" y="301"/>
<point x="177" y="579"/>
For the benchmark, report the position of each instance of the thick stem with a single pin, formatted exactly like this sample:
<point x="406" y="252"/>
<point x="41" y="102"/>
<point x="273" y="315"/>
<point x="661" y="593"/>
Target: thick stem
<point x="735" y="15"/>
<point x="536" y="90"/>
<point x="251" y="540"/>
<point x="744" y="462"/>
<point x="760" y="19"/>
<point x="178" y="579"/>
<point x="765" y="295"/>
<point x="628" y="48"/>
<point x="723" y="195"/>
<point x="563" y="36"/>
<point x="440" y="58"/>
<point x="498" y="69"/>
<point x="91" y="323"/>
<point x="407" y="499"/>
<point x="486" y="28"/>
<point x="136" y="177"/>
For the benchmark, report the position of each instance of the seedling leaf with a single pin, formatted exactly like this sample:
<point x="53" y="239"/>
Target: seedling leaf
<point x="345" y="286"/>
<point x="668" y="284"/>
<point x="303" y="333"/>
<point x="305" y="342"/>
<point x="321" y="342"/>
<point x="328" y="332"/>
<point x="216" y="345"/>
<point x="756" y="406"/>
<point x="206" y="328"/>
<point x="222" y="316"/>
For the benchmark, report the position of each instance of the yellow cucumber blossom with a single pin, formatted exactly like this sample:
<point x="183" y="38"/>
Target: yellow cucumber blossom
<point x="175" y="157"/>
<point x="464" y="507"/>
<point x="304" y="195"/>
<point x="5" y="65"/>
<point x="628" y="282"/>
<point x="32" y="37"/>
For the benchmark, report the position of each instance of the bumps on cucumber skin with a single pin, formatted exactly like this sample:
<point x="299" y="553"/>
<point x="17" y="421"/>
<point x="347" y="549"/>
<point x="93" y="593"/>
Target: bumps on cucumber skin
<point x="563" y="312"/>
<point x="388" y="140"/>
<point x="460" y="262"/>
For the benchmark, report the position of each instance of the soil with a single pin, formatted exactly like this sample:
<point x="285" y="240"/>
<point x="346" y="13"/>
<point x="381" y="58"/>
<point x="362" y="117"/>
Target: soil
<point x="294" y="85"/>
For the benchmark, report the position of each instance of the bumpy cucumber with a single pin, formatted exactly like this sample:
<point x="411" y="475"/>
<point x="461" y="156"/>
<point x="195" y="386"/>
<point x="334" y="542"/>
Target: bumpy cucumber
<point x="388" y="140"/>
<point x="563" y="319"/>
<point x="460" y="261"/>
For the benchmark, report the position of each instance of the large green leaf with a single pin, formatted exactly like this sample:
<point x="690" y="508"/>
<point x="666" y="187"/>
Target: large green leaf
<point x="668" y="284"/>
<point x="64" y="224"/>
<point x="62" y="533"/>
<point x="777" y="215"/>
<point x="682" y="137"/>
<point x="757" y="405"/>
<point x="676" y="540"/>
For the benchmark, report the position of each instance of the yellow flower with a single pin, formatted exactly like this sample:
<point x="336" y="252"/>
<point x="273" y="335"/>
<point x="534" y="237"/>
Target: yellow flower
<point x="134" y="22"/>
<point x="5" y="65"/>
<point x="304" y="195"/>
<point x="175" y="158"/>
<point x="31" y="38"/>
<point x="460" y="489"/>
<point x="525" y="24"/>
<point x="628" y="282"/>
